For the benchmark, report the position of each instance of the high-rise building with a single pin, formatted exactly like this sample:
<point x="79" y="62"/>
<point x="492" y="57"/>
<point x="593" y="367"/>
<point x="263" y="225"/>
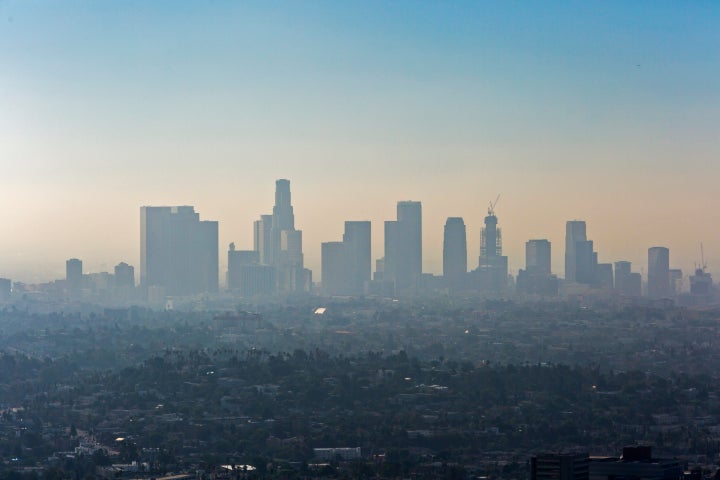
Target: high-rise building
<point x="574" y="232"/>
<point x="346" y="265"/>
<point x="392" y="251"/>
<point x="585" y="262"/>
<point x="626" y="282"/>
<point x="622" y="272"/>
<point x="178" y="251"/>
<point x="333" y="268"/>
<point x="604" y="276"/>
<point x="455" y="253"/>
<point x="262" y="239"/>
<point x="492" y="269"/>
<point x="124" y="275"/>
<point x="284" y="251"/>
<point x="559" y="466"/>
<point x="537" y="277"/>
<point x="358" y="256"/>
<point x="538" y="256"/>
<point x="283" y="217"/>
<point x="74" y="276"/>
<point x="403" y="247"/>
<point x="658" y="272"/>
<point x="676" y="281"/>
<point x="246" y="276"/>
<point x="236" y="260"/>
<point x="409" y="216"/>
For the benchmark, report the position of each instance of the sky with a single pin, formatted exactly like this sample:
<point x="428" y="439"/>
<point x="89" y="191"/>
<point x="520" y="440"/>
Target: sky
<point x="606" y="111"/>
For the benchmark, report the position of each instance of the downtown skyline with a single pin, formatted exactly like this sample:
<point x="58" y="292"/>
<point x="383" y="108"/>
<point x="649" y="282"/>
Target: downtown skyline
<point x="284" y="209"/>
<point x="604" y="112"/>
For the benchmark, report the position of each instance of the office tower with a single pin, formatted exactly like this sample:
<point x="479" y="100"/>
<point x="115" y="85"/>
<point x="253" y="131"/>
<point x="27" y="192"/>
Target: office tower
<point x="455" y="253"/>
<point x="403" y="247"/>
<point x="537" y="277"/>
<point x="676" y="281"/>
<point x="636" y="462"/>
<point x="604" y="276"/>
<point x="284" y="251"/>
<point x="634" y="286"/>
<point x="283" y="217"/>
<point x="291" y="254"/>
<point x="626" y="282"/>
<point x="333" y="268"/>
<point x="124" y="275"/>
<point x="537" y="256"/>
<point x="622" y="276"/>
<point x="346" y="265"/>
<point x="178" y="251"/>
<point x="74" y="276"/>
<point x="379" y="269"/>
<point x="257" y="279"/>
<point x="246" y="276"/>
<point x="409" y="217"/>
<point x="701" y="284"/>
<point x="358" y="258"/>
<point x="658" y="272"/>
<point x="559" y="466"/>
<point x="262" y="239"/>
<point x="492" y="266"/>
<point x="392" y="251"/>
<point x="574" y="232"/>
<point x="236" y="260"/>
<point x="585" y="261"/>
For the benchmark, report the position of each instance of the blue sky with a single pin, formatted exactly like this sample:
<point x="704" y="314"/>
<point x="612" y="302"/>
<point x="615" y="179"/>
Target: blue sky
<point x="607" y="111"/>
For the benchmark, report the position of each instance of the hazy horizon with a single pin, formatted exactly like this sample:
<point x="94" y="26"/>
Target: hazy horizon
<point x="605" y="112"/>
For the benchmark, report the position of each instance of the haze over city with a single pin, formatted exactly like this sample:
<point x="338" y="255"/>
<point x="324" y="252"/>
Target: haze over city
<point x="605" y="112"/>
<point x="391" y="240"/>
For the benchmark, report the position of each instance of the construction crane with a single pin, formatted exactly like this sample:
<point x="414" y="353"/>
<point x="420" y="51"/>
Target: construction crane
<point x="491" y="208"/>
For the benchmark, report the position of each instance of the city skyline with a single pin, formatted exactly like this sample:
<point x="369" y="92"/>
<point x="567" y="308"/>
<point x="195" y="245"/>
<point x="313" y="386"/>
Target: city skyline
<point x="595" y="111"/>
<point x="283" y="218"/>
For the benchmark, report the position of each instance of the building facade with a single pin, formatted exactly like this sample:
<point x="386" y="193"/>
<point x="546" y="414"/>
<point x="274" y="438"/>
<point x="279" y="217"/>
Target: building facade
<point x="178" y="251"/>
<point x="455" y="254"/>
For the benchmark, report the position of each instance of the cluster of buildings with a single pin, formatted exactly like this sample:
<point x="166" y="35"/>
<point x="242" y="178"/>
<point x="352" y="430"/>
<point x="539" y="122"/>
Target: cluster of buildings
<point x="179" y="257"/>
<point x="635" y="462"/>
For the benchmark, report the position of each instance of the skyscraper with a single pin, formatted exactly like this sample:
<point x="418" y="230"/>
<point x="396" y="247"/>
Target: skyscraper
<point x="403" y="247"/>
<point x="492" y="272"/>
<point x="585" y="262"/>
<point x="574" y="233"/>
<point x="537" y="256"/>
<point x="124" y="275"/>
<point x="74" y="276"/>
<point x="358" y="259"/>
<point x="537" y="277"/>
<point x="279" y="244"/>
<point x="622" y="277"/>
<point x="658" y="272"/>
<point x="455" y="253"/>
<point x="236" y="260"/>
<point x="262" y="239"/>
<point x="346" y="265"/>
<point x="333" y="268"/>
<point x="178" y="251"/>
